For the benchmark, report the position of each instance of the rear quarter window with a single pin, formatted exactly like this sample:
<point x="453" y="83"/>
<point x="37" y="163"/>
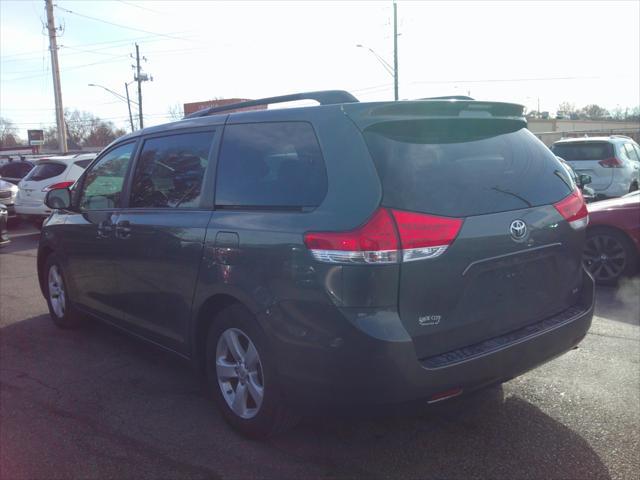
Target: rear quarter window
<point x="275" y="164"/>
<point x="461" y="168"/>
<point x="44" y="171"/>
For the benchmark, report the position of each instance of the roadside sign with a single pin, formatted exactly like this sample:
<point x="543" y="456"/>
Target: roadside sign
<point x="36" y="137"/>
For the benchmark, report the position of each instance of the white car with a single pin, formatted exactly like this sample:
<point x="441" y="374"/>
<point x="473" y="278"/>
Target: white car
<point x="48" y="174"/>
<point x="612" y="162"/>
<point x="8" y="194"/>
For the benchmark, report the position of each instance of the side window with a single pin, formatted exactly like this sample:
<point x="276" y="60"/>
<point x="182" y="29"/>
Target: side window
<point x="170" y="171"/>
<point x="102" y="184"/>
<point x="631" y="152"/>
<point x="275" y="164"/>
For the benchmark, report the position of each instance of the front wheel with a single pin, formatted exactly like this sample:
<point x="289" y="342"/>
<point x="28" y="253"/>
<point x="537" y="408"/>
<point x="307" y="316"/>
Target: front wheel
<point x="60" y="308"/>
<point x="608" y="255"/>
<point x="241" y="375"/>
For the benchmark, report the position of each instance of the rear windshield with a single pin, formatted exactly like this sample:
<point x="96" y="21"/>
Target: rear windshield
<point x="460" y="168"/>
<point x="44" y="171"/>
<point x="584" y="151"/>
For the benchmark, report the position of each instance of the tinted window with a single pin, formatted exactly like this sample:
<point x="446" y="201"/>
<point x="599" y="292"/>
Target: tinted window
<point x="83" y="163"/>
<point x="15" y="169"/>
<point x="460" y="168"/>
<point x="270" y="165"/>
<point x="102" y="184"/>
<point x="44" y="171"/>
<point x="170" y="170"/>
<point x="583" y="150"/>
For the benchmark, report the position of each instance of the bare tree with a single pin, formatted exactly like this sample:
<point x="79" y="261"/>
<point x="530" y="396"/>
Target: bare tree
<point x="175" y="112"/>
<point x="594" y="112"/>
<point x="8" y="133"/>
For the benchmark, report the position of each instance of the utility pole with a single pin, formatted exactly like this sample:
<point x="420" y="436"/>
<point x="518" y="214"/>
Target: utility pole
<point x="395" y="50"/>
<point x="126" y="88"/>
<point x="55" y="70"/>
<point x="139" y="80"/>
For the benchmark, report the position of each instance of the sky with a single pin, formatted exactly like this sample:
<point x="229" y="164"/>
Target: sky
<point x="580" y="52"/>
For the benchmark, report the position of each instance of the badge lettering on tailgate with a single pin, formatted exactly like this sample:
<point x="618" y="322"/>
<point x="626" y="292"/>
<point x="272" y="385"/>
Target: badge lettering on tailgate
<point x="427" y="320"/>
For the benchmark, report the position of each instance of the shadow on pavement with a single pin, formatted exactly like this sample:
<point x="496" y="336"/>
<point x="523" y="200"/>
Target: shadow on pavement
<point x="96" y="403"/>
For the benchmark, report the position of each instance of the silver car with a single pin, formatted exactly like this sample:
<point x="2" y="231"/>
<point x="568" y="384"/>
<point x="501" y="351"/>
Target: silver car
<point x="8" y="194"/>
<point x="613" y="162"/>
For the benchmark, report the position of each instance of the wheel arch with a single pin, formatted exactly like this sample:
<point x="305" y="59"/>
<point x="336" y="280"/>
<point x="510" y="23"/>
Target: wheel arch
<point x="43" y="254"/>
<point x="205" y="317"/>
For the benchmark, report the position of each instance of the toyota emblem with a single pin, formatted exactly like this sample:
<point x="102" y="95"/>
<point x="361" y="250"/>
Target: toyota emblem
<point x="518" y="230"/>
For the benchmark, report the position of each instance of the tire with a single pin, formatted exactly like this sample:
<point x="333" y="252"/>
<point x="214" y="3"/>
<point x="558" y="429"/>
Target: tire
<point x="62" y="311"/>
<point x="233" y="334"/>
<point x="609" y="255"/>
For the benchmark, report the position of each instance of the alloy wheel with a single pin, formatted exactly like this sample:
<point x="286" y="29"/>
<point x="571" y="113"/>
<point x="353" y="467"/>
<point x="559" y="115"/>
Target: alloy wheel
<point x="56" y="291"/>
<point x="604" y="257"/>
<point x="239" y="373"/>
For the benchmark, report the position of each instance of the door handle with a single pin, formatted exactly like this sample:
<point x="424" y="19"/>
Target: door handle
<point x="123" y="229"/>
<point x="104" y="229"/>
<point x="227" y="251"/>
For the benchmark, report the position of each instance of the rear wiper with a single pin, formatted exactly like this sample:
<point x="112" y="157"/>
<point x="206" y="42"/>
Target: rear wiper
<point x="506" y="192"/>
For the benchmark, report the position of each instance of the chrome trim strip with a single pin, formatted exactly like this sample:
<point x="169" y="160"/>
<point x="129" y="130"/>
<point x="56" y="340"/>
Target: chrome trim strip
<point x="506" y="255"/>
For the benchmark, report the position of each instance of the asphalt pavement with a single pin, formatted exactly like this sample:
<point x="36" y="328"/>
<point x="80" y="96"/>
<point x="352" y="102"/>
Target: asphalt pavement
<point x="96" y="404"/>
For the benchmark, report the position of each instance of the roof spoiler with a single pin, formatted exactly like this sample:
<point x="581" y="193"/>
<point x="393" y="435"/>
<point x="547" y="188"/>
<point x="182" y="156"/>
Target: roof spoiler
<point x="449" y="97"/>
<point x="323" y="97"/>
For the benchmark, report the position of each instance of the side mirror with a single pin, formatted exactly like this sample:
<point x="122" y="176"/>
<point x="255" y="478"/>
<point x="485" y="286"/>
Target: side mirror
<point x="584" y="179"/>
<point x="60" y="198"/>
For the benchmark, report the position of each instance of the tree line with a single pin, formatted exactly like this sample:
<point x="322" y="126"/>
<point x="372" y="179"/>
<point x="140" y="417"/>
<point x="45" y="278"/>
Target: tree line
<point x="84" y="129"/>
<point x="590" y="112"/>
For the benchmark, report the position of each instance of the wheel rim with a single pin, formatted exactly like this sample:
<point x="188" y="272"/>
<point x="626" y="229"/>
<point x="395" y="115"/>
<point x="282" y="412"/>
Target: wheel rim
<point x="239" y="372"/>
<point x="604" y="257"/>
<point x="57" y="295"/>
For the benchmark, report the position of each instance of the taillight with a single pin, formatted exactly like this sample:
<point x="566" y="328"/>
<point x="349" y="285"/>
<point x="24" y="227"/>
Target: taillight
<point x="374" y="242"/>
<point x="612" y="162"/>
<point x="574" y="210"/>
<point x="424" y="236"/>
<point x="390" y="236"/>
<point x="58" y="185"/>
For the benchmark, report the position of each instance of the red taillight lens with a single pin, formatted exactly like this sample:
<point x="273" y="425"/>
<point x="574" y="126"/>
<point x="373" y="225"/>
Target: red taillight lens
<point x="574" y="210"/>
<point x="612" y="162"/>
<point x="424" y="236"/>
<point x="374" y="242"/>
<point x="414" y="235"/>
<point x="58" y="185"/>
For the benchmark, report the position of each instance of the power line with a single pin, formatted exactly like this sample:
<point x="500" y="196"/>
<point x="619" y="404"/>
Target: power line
<point x="131" y="4"/>
<point x="119" y="25"/>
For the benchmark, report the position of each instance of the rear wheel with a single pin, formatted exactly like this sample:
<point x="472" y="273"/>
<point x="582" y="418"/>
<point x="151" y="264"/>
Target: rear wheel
<point x="60" y="308"/>
<point x="241" y="375"/>
<point x="608" y="255"/>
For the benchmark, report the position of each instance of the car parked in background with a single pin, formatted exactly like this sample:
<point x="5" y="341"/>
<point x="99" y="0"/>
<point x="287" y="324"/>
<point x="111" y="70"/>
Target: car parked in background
<point x="48" y="174"/>
<point x="582" y="181"/>
<point x="4" y="221"/>
<point x="15" y="171"/>
<point x="8" y="194"/>
<point x="613" y="238"/>
<point x="612" y="162"/>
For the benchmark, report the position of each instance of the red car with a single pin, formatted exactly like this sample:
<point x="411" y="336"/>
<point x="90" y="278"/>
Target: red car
<point x="613" y="238"/>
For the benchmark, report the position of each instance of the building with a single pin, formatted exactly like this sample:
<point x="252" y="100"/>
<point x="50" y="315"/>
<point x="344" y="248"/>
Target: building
<point x="196" y="106"/>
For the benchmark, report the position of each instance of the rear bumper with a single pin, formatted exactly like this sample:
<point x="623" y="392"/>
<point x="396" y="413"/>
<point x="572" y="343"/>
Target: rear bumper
<point x="32" y="210"/>
<point x="383" y="372"/>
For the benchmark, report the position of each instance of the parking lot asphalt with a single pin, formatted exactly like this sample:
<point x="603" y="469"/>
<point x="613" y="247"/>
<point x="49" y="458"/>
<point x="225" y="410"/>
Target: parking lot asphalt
<point x="94" y="403"/>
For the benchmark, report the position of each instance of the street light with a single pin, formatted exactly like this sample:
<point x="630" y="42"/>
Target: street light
<point x="382" y="61"/>
<point x="120" y="97"/>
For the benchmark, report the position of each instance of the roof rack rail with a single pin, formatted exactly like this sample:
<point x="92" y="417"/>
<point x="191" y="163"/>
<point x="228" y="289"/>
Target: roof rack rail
<point x="323" y="97"/>
<point x="449" y="97"/>
<point x="616" y="135"/>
